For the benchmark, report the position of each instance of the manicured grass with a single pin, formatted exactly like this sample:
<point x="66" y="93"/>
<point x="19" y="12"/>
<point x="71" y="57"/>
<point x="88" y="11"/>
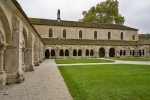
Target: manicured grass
<point x="133" y="59"/>
<point x="108" y="82"/>
<point x="73" y="61"/>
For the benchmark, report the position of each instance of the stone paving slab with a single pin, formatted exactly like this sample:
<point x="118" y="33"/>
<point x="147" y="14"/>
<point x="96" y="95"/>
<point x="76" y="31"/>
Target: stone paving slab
<point x="44" y="83"/>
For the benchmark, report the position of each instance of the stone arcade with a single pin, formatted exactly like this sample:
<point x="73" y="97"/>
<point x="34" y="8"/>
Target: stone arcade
<point x="22" y="48"/>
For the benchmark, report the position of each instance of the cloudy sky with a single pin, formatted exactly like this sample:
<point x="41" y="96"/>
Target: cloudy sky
<point x="136" y="12"/>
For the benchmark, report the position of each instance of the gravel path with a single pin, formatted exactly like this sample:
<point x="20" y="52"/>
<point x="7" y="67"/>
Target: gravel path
<point x="116" y="62"/>
<point x="44" y="83"/>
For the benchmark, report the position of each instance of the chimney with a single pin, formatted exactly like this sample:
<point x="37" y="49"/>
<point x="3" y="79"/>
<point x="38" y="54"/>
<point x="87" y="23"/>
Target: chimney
<point x="58" y="16"/>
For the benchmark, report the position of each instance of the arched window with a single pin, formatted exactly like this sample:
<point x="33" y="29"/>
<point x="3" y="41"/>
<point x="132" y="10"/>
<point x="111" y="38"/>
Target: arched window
<point x="120" y="52"/>
<point x="95" y="34"/>
<point x="80" y="34"/>
<point x="66" y="52"/>
<point x="61" y="53"/>
<point x="140" y="53"/>
<point x="87" y="53"/>
<point x="52" y="52"/>
<point x="74" y="52"/>
<point x="79" y="52"/>
<point x="64" y="33"/>
<point x="50" y="32"/>
<point x="47" y="54"/>
<point x="121" y="35"/>
<point x="133" y="37"/>
<point x="109" y="35"/>
<point x="92" y="53"/>
<point x="133" y="52"/>
<point x="124" y="53"/>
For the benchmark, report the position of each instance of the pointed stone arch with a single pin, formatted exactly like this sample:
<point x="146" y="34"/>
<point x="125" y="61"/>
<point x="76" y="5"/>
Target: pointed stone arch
<point x="2" y="38"/>
<point x="101" y="52"/>
<point x="112" y="52"/>
<point x="5" y="22"/>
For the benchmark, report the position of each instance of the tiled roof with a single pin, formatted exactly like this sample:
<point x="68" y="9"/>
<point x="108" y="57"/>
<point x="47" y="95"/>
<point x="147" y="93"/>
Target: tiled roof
<point x="54" y="41"/>
<point x="37" y="21"/>
<point x="143" y="42"/>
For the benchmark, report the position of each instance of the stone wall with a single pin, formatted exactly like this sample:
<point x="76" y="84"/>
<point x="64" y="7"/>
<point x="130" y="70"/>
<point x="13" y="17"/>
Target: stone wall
<point x="87" y="33"/>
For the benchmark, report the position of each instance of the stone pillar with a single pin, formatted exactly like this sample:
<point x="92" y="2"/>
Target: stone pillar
<point x="36" y="55"/>
<point x="2" y="48"/>
<point x="57" y="52"/>
<point x="13" y="65"/>
<point x="117" y="53"/>
<point x="29" y="55"/>
<point x="107" y="52"/>
<point x="70" y="53"/>
<point x="83" y="53"/>
<point x="29" y="58"/>
<point x="13" y="54"/>
<point x="96" y="54"/>
<point x="146" y="52"/>
<point x="128" y="53"/>
<point x="2" y="72"/>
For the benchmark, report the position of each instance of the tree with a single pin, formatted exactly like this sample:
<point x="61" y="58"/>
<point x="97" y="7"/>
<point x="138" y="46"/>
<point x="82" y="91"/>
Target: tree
<point x="104" y="12"/>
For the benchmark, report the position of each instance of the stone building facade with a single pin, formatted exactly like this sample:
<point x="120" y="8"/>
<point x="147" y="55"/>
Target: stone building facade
<point x="69" y="39"/>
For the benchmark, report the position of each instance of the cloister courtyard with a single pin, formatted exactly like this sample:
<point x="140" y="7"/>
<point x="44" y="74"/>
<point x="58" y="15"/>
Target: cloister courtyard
<point x="84" y="79"/>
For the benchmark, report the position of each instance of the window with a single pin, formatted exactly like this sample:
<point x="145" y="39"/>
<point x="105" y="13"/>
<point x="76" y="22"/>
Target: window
<point x="80" y="34"/>
<point x="64" y="33"/>
<point x="95" y="34"/>
<point x="109" y="35"/>
<point x="121" y="35"/>
<point x="50" y="32"/>
<point x="133" y="37"/>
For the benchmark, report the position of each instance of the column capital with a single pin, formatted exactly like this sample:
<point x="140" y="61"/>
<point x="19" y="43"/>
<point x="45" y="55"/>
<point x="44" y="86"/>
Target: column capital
<point x="2" y="47"/>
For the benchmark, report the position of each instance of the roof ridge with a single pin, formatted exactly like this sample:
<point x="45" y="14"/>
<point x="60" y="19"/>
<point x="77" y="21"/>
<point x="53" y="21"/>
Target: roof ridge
<point x="42" y="21"/>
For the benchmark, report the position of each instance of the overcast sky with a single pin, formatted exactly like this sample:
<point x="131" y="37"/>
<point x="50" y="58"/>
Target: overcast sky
<point x="136" y="12"/>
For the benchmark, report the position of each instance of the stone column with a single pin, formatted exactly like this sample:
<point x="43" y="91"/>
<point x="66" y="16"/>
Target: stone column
<point x="2" y="72"/>
<point x="107" y="52"/>
<point x="70" y="53"/>
<point x="83" y="53"/>
<point x="146" y="52"/>
<point x="2" y="48"/>
<point x="36" y="55"/>
<point x="29" y="59"/>
<point x="117" y="53"/>
<point x="128" y="53"/>
<point x="13" y="52"/>
<point x="96" y="54"/>
<point x="57" y="52"/>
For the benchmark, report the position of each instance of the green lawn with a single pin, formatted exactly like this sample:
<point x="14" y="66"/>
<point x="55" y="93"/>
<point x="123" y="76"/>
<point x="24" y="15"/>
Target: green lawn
<point x="133" y="59"/>
<point x="73" y="61"/>
<point x="108" y="82"/>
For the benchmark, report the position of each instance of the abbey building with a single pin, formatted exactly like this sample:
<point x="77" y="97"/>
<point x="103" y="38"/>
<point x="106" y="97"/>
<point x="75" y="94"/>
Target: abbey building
<point x="26" y="42"/>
